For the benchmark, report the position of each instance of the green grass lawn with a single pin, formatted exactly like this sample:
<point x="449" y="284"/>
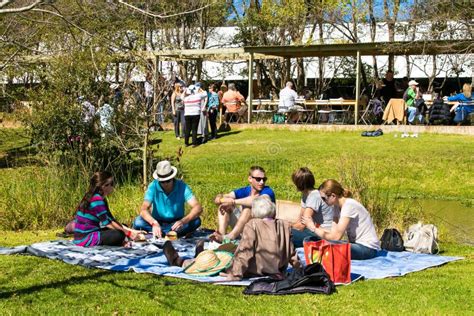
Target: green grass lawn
<point x="431" y="166"/>
<point x="31" y="285"/>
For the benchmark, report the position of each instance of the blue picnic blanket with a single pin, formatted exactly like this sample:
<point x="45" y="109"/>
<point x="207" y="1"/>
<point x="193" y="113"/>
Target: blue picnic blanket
<point x="149" y="258"/>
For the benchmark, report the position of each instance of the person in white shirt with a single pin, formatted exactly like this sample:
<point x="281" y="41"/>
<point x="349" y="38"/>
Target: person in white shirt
<point x="349" y="216"/>
<point x="192" y="112"/>
<point x="286" y="104"/>
<point x="288" y="98"/>
<point x="203" y="126"/>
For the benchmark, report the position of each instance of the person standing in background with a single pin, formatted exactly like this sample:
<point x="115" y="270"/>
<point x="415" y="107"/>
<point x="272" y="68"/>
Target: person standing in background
<point x="177" y="107"/>
<point x="212" y="109"/>
<point x="202" y="128"/>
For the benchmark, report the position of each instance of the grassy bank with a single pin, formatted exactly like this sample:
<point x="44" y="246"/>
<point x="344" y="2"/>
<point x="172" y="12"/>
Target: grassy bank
<point x="384" y="169"/>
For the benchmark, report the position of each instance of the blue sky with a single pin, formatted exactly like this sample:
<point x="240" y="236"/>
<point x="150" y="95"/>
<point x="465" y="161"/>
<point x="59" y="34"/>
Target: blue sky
<point x="378" y="5"/>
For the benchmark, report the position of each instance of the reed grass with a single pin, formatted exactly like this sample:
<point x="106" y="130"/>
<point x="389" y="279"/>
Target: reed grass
<point x="39" y="196"/>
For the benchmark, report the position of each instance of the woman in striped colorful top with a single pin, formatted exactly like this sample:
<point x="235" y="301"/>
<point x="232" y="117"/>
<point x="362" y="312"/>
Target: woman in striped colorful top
<point x="94" y="224"/>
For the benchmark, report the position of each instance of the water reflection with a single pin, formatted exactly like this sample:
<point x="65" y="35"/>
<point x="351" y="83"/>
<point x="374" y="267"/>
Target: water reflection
<point x="456" y="217"/>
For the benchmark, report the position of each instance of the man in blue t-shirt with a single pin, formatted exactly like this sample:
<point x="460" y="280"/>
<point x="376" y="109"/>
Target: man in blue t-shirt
<point x="235" y="207"/>
<point x="163" y="206"/>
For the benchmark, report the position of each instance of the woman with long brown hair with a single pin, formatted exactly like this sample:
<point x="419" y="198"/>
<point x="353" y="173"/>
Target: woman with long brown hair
<point x="349" y="216"/>
<point x="94" y="224"/>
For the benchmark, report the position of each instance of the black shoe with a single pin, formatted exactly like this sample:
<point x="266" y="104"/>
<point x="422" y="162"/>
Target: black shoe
<point x="171" y="255"/>
<point x="199" y="247"/>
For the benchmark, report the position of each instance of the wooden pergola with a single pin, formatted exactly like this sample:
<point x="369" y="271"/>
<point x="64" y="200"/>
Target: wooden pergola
<point x="250" y="53"/>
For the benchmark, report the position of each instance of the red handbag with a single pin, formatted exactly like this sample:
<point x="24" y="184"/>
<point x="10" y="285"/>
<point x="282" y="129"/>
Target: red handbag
<point x="335" y="258"/>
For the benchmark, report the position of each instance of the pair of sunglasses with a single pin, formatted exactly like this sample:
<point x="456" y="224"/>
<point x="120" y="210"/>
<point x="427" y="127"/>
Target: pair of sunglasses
<point x="258" y="179"/>
<point x="166" y="181"/>
<point x="325" y="198"/>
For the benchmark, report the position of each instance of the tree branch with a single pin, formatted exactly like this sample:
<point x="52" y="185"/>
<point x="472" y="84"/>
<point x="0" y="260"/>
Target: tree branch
<point x="64" y="18"/>
<point x="4" y="3"/>
<point x="161" y="16"/>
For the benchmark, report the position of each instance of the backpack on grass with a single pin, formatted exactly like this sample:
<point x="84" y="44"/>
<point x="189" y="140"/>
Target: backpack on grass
<point x="311" y="279"/>
<point x="421" y="238"/>
<point x="392" y="240"/>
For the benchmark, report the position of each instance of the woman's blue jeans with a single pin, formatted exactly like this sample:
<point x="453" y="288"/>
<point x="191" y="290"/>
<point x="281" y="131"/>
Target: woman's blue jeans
<point x="462" y="112"/>
<point x="179" y="120"/>
<point x="358" y="251"/>
<point x="298" y="236"/>
<point x="140" y="223"/>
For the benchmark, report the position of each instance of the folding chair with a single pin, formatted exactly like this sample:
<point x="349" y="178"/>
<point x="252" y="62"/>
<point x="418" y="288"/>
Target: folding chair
<point x="305" y="116"/>
<point x="261" y="112"/>
<point x="367" y="113"/>
<point x="326" y="113"/>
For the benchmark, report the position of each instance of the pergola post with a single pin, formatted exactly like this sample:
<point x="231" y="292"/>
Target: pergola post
<point x="288" y="71"/>
<point x="356" y="110"/>
<point x="250" y="105"/>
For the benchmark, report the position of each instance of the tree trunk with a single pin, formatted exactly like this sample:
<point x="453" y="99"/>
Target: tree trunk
<point x="391" y="21"/>
<point x="321" y="60"/>
<point x="433" y="74"/>
<point x="198" y="69"/>
<point x="145" y="159"/>
<point x="258" y="72"/>
<point x="117" y="72"/>
<point x="271" y="73"/>
<point x="472" y="69"/>
<point x="301" y="74"/>
<point x="407" y="57"/>
<point x="373" y="34"/>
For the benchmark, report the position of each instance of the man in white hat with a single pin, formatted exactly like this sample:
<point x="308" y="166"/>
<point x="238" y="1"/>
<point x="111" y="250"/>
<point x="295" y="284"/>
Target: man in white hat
<point x="163" y="206"/>
<point x="409" y="96"/>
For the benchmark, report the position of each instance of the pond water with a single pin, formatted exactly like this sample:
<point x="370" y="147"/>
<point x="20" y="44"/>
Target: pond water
<point x="458" y="218"/>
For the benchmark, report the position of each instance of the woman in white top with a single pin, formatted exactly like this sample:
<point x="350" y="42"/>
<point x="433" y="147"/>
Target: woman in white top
<point x="192" y="112"/>
<point x="349" y="216"/>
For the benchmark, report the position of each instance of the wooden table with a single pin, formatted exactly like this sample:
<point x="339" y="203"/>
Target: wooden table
<point x="395" y="110"/>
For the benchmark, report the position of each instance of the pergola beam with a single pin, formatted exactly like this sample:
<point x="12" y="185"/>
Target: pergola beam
<point x="367" y="49"/>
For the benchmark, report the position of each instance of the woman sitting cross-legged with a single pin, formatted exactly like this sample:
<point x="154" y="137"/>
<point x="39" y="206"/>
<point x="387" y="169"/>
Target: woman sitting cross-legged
<point x="350" y="216"/>
<point x="265" y="249"/>
<point x="94" y="224"/>
<point x="312" y="205"/>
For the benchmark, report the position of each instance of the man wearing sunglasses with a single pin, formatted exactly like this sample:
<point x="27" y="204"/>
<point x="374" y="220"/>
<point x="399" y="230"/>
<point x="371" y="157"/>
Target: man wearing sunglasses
<point x="235" y="207"/>
<point x="163" y="206"/>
